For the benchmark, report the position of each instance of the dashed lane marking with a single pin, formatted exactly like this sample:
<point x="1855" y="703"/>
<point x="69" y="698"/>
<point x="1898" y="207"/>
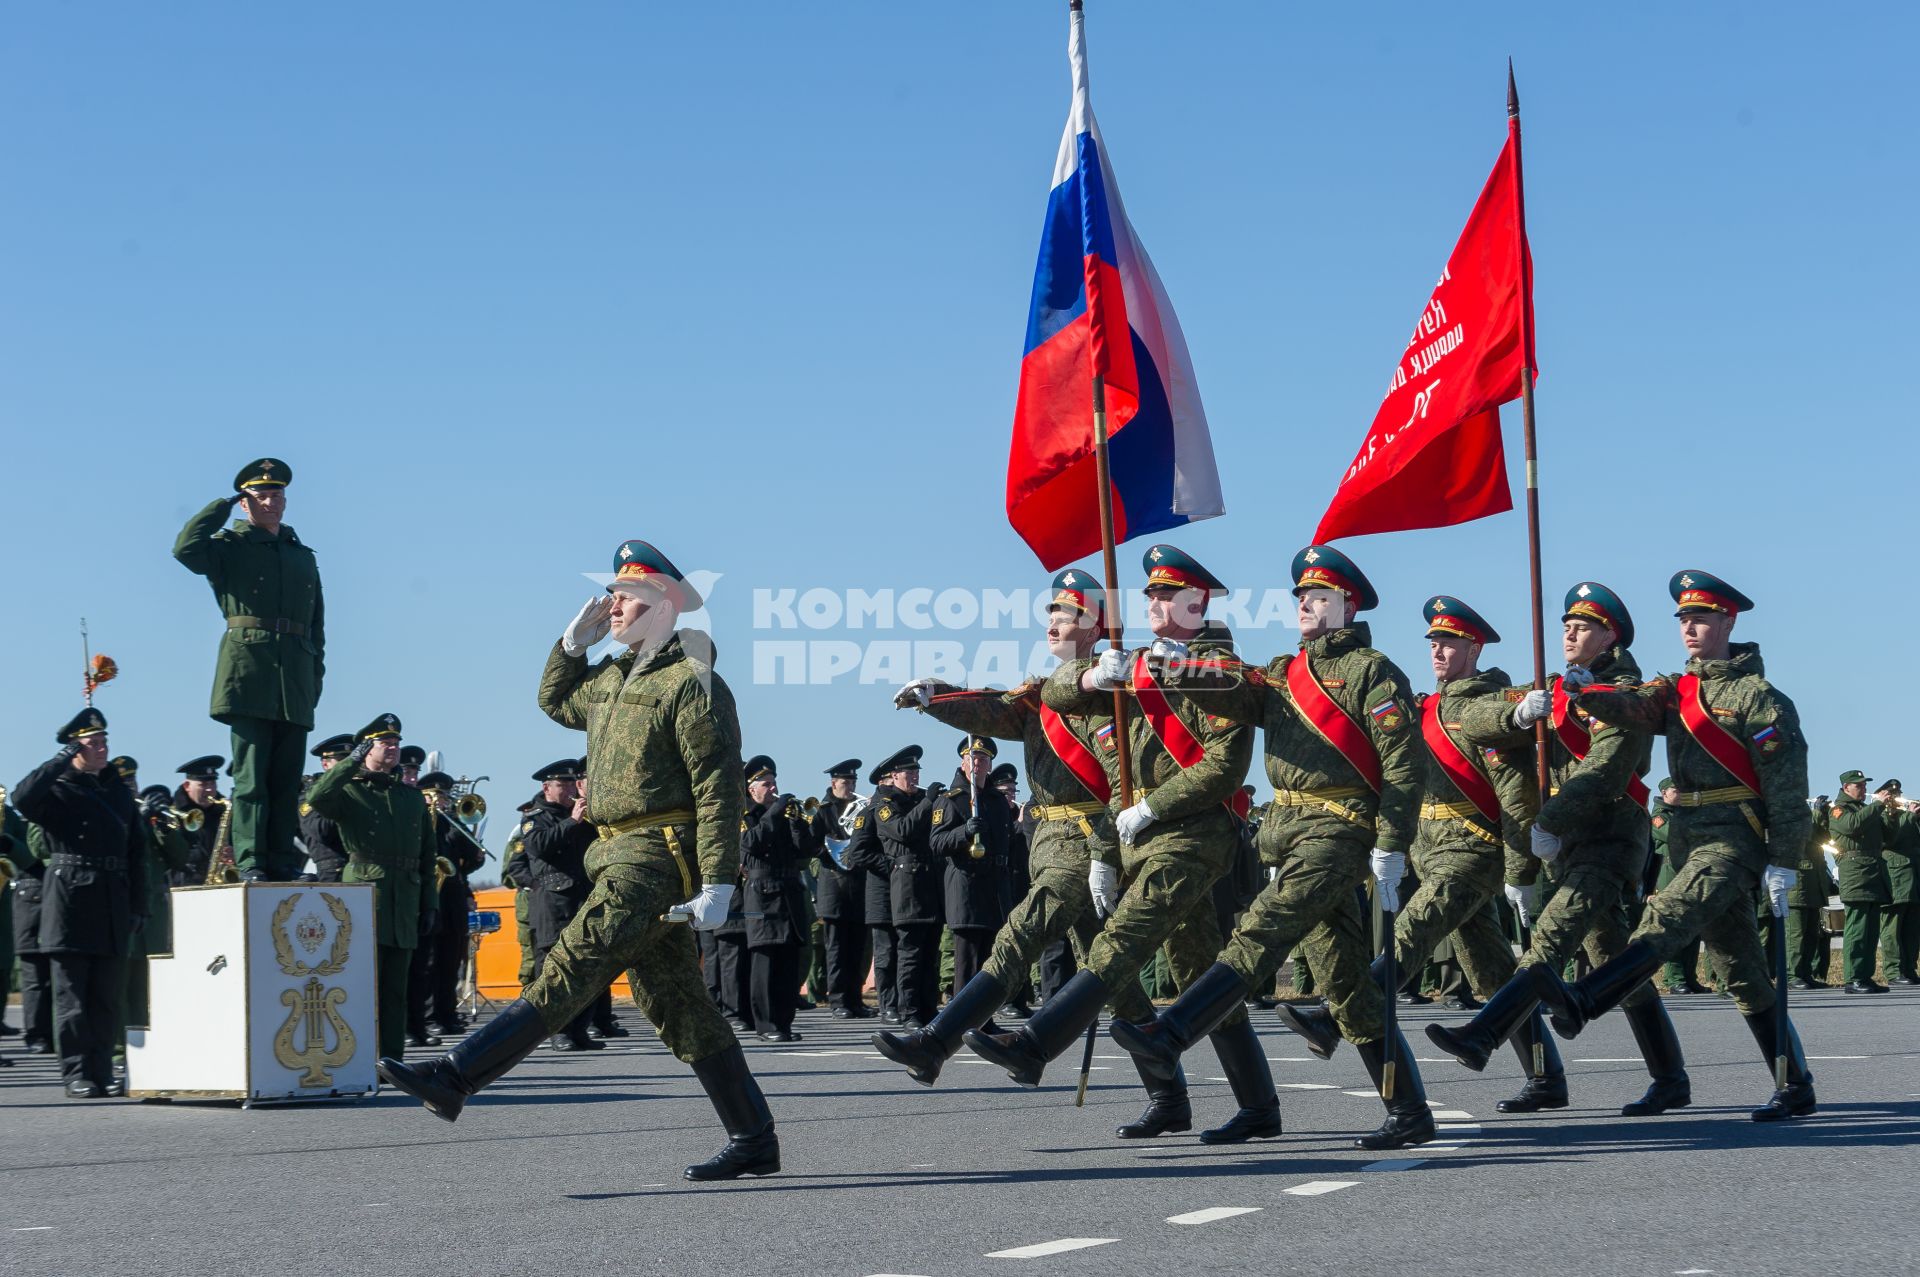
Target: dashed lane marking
<point x="1040" y="1250"/>
<point x="1827" y="1057"/>
<point x="37" y="1228"/>
<point x="1208" y="1214"/>
<point x="1608" y="1059"/>
<point x="1395" y="1164"/>
<point x="1308" y="1086"/>
<point x="1319" y="1187"/>
<point x="1461" y="1127"/>
<point x="1454" y="1115"/>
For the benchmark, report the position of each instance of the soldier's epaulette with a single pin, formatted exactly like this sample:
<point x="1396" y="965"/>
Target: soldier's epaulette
<point x="1515" y="695"/>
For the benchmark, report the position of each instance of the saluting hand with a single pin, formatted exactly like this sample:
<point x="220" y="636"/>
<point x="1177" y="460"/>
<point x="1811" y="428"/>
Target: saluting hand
<point x="592" y="624"/>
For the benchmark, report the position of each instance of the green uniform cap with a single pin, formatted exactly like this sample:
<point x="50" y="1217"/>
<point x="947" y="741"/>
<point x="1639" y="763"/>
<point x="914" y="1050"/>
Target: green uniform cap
<point x="383" y="726"/>
<point x="1078" y="588"/>
<point x="1170" y="565"/>
<point x="88" y="722"/>
<point x="1697" y="591"/>
<point x="1321" y="567"/>
<point x="1592" y="601"/>
<point x="639" y="561"/>
<point x="1854" y="778"/>
<point x="267" y="472"/>
<point x="1448" y="617"/>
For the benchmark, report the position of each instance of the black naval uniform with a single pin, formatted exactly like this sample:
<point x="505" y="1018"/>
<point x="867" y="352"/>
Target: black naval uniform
<point x="95" y="883"/>
<point x="556" y="848"/>
<point x="865" y="852"/>
<point x="916" y="893"/>
<point x="25" y="848"/>
<point x="735" y="963"/>
<point x="771" y="855"/>
<point x="977" y="890"/>
<point x="433" y="980"/>
<point x="840" y="902"/>
<point x="199" y="843"/>
<point x="321" y="837"/>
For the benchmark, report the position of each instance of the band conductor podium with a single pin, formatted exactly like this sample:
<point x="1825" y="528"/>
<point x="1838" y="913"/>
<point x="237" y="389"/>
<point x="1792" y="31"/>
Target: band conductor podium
<point x="269" y="994"/>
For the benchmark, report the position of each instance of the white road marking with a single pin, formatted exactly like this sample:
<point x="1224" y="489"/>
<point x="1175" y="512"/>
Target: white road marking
<point x="1289" y="1059"/>
<point x="1042" y="1249"/>
<point x="37" y="1228"/>
<point x="1456" y="1115"/>
<point x="1308" y="1086"/>
<point x="1608" y="1059"/>
<point x="1439" y="1059"/>
<point x="1208" y="1214"/>
<point x="1823" y="1057"/>
<point x="1691" y="1272"/>
<point x="1457" y="1126"/>
<point x="1317" y="1187"/>
<point x="1364" y="1095"/>
<point x="1395" y="1164"/>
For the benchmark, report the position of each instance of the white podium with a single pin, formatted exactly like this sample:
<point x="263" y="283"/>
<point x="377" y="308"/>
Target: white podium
<point x="269" y="994"/>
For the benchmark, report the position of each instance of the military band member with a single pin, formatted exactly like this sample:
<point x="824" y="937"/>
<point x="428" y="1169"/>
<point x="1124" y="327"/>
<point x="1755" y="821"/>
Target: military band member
<point x="775" y="908"/>
<point x="1592" y="836"/>
<point x="555" y="837"/>
<point x="1342" y="757"/>
<point x="1900" y="920"/>
<point x="167" y="852"/>
<point x="840" y="898"/>
<point x="95" y="890"/>
<point x="1809" y="948"/>
<point x="322" y="836"/>
<point x="383" y="825"/>
<point x="272" y="658"/>
<point x="900" y="851"/>
<point x="516" y="873"/>
<point x="412" y="760"/>
<point x="976" y="841"/>
<point x="199" y="789"/>
<point x="664" y="768"/>
<point x="433" y="976"/>
<point x="1740" y="764"/>
<point x="1859" y="831"/>
<point x="863" y="848"/>
<point x="9" y="850"/>
<point x="24" y="847"/>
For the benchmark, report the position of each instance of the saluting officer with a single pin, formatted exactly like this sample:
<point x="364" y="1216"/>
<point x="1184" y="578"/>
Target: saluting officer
<point x="272" y="660"/>
<point x="841" y="896"/>
<point x="95" y="890"/>
<point x="383" y="825"/>
<point x="321" y="835"/>
<point x="770" y="855"/>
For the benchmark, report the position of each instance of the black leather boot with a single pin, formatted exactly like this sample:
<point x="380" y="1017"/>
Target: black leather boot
<point x="924" y="1051"/>
<point x="1057" y="1025"/>
<point x="1797" y="1098"/>
<point x="1193" y="1015"/>
<point x="1660" y="1047"/>
<point x="1474" y="1042"/>
<point x="1247" y="1072"/>
<point x="1168" y="1110"/>
<point x="1573" y="1006"/>
<point x="420" y="1037"/>
<point x="1314" y="1024"/>
<point x="445" y="1082"/>
<point x="752" y="1147"/>
<point x="1546" y="1086"/>
<point x="1409" y="1120"/>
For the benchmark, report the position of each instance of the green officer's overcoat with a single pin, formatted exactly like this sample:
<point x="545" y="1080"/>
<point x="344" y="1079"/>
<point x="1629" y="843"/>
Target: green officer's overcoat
<point x="389" y="841"/>
<point x="272" y="656"/>
<point x="1858" y="830"/>
<point x="1902" y="852"/>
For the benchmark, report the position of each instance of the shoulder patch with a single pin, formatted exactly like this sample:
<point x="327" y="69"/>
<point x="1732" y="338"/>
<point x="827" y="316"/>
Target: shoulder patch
<point x="1768" y="740"/>
<point x="860" y="821"/>
<point x="886" y="811"/>
<point x="306" y="809"/>
<point x="1515" y="695"/>
<point x="940" y="812"/>
<point x="1837" y="812"/>
<point x="1387" y="716"/>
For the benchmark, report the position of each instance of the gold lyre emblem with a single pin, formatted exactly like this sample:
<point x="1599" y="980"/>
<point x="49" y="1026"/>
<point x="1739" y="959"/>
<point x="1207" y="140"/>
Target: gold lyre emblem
<point x="313" y="1008"/>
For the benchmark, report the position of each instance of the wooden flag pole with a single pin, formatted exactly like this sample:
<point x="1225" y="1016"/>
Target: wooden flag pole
<point x="1112" y="574"/>
<point x="1542" y="755"/>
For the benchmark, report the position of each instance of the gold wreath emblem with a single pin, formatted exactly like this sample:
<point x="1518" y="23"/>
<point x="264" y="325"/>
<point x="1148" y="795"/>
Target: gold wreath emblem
<point x="283" y="940"/>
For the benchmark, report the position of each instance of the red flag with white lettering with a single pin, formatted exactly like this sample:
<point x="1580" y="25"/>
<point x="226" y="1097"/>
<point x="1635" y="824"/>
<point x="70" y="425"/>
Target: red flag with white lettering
<point x="1433" y="456"/>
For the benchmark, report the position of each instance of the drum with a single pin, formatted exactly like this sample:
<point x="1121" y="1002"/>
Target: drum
<point x="483" y="922"/>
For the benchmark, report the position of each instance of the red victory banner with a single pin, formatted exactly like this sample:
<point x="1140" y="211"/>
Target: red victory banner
<point x="1433" y="455"/>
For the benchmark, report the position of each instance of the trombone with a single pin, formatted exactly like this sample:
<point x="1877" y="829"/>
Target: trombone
<point x="469" y="809"/>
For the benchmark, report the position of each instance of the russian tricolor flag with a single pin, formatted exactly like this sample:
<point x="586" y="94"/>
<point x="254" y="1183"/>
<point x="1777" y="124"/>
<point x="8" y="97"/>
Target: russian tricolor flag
<point x="1099" y="310"/>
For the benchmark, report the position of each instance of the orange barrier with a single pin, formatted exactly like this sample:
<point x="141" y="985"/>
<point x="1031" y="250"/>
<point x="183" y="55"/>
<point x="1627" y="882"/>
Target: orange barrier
<point x="497" y="964"/>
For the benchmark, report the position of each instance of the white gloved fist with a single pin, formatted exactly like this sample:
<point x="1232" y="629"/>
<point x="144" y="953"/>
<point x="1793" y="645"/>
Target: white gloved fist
<point x="1104" y="881"/>
<point x="1535" y="706"/>
<point x="589" y="627"/>
<point x="1133" y="821"/>
<point x="1545" y="845"/>
<point x="1780" y="880"/>
<point x="919" y="692"/>
<point x="1577" y="679"/>
<point x="1168" y="650"/>
<point x="1525" y="900"/>
<point x="1388" y="867"/>
<point x="1110" y="671"/>
<point x="710" y="907"/>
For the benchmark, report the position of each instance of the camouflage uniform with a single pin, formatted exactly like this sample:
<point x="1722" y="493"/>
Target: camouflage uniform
<point x="665" y="790"/>
<point x="1681" y="974"/>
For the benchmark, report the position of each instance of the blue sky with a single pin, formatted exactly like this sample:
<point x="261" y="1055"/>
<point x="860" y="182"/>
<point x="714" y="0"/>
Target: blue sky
<point x="507" y="285"/>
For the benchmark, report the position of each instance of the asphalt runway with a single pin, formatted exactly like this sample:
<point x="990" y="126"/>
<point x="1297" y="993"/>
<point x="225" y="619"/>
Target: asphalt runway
<point x="573" y="1164"/>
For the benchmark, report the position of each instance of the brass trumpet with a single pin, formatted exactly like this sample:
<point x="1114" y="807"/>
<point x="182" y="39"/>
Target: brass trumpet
<point x="190" y="819"/>
<point x="469" y="807"/>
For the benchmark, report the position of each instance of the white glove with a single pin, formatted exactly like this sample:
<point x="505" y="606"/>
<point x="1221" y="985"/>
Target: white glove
<point x="710" y="907"/>
<point x="1169" y="650"/>
<point x="919" y="692"/>
<point x="589" y="627"/>
<point x="1110" y="671"/>
<point x="1525" y="900"/>
<point x="1545" y="845"/>
<point x="1132" y="821"/>
<point x="1577" y="679"/>
<point x="1388" y="867"/>
<point x="1104" y="881"/>
<point x="1780" y="881"/>
<point x="1536" y="706"/>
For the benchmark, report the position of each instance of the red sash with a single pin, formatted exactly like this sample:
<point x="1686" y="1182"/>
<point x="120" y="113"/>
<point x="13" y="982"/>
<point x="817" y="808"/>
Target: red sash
<point x="1464" y="772"/>
<point x="1574" y="735"/>
<point x="1334" y="724"/>
<point x="1078" y="758"/>
<point x="1726" y="748"/>
<point x="1171" y="732"/>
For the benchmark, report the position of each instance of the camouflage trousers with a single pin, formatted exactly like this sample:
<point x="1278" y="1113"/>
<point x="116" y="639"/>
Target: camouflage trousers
<point x="1058" y="904"/>
<point x="1712" y="898"/>
<point x="619" y="929"/>
<point x="1588" y="908"/>
<point x="1311" y="904"/>
<point x="1455" y="898"/>
<point x="1168" y="902"/>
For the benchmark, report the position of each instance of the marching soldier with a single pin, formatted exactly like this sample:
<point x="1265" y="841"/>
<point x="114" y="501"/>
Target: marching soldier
<point x="1899" y="921"/>
<point x="1056" y="962"/>
<point x="976" y="841"/>
<point x="771" y="855"/>
<point x="1682" y="973"/>
<point x="322" y="836"/>
<point x="841" y="896"/>
<point x="1592" y="836"/>
<point x="383" y="825"/>
<point x="555" y="838"/>
<point x="901" y="852"/>
<point x="1858" y="830"/>
<point x="1740" y="764"/>
<point x="199" y="789"/>
<point x="1176" y="840"/>
<point x="272" y="658"/>
<point x="1341" y="756"/>
<point x="95" y="889"/>
<point x="663" y="758"/>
